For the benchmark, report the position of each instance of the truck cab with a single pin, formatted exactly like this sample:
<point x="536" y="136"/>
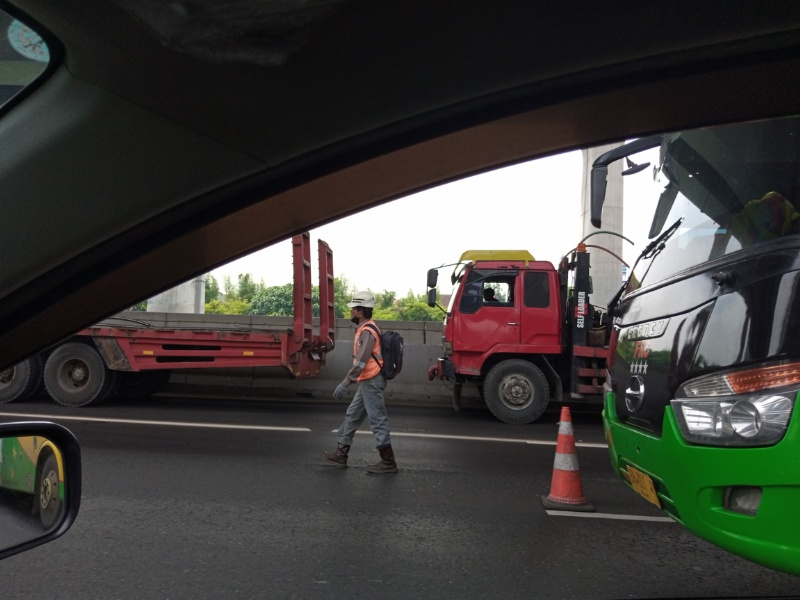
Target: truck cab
<point x="509" y="330"/>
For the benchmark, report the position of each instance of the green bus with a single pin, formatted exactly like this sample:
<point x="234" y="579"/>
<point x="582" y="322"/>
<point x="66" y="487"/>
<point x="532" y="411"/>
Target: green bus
<point x="33" y="465"/>
<point x="704" y="367"/>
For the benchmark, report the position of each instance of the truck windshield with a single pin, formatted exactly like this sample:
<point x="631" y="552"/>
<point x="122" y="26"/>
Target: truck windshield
<point x="735" y="187"/>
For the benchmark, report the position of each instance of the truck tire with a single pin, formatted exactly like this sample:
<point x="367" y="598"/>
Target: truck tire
<point x="75" y="375"/>
<point x="516" y="391"/>
<point x="140" y="384"/>
<point x="22" y="380"/>
<point x="48" y="500"/>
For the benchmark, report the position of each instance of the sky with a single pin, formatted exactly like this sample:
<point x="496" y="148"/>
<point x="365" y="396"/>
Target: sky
<point x="533" y="206"/>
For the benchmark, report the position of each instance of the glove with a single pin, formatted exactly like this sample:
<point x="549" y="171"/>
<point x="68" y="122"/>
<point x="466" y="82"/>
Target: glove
<point x="340" y="390"/>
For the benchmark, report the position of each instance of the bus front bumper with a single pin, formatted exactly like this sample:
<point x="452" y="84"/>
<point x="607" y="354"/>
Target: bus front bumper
<point x="745" y="500"/>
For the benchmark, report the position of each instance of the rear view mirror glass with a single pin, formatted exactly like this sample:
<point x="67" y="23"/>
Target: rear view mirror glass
<point x="432" y="297"/>
<point x="433" y="277"/>
<point x="37" y="499"/>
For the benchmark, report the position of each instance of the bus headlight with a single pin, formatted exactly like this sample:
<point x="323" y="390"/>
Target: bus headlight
<point x="743" y="408"/>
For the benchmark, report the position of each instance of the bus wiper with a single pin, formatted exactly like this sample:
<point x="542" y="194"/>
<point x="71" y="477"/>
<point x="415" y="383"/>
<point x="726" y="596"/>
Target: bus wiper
<point x="651" y="250"/>
<point x="657" y="245"/>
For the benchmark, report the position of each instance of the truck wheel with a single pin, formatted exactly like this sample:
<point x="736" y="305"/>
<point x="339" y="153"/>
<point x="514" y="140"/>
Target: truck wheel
<point x="75" y="375"/>
<point x="140" y="384"/>
<point x="516" y="391"/>
<point x="22" y="380"/>
<point x="48" y="499"/>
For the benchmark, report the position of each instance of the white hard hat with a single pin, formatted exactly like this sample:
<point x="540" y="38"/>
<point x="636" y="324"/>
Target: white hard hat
<point x="364" y="299"/>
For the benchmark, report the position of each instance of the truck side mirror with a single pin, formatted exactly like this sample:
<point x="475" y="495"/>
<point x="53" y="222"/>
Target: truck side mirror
<point x="431" y="295"/>
<point x="433" y="279"/>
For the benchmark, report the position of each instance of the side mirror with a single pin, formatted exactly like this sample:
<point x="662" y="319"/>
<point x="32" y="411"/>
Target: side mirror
<point x="40" y="484"/>
<point x="433" y="277"/>
<point x="432" y="296"/>
<point x="600" y="171"/>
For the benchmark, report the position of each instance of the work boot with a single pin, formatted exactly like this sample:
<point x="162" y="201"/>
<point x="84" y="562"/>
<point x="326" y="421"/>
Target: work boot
<point x="387" y="464"/>
<point x="337" y="458"/>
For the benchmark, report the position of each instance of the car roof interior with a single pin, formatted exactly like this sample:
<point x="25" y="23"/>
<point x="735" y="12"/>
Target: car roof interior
<point x="170" y="138"/>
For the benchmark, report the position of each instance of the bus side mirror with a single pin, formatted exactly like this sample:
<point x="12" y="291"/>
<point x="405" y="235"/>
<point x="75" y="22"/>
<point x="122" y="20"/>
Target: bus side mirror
<point x="432" y="296"/>
<point x="433" y="277"/>
<point x="599" y="173"/>
<point x="40" y="484"/>
<point x="598" y="193"/>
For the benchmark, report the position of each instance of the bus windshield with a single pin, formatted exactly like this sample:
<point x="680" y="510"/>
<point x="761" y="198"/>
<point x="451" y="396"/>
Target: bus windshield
<point x="734" y="187"/>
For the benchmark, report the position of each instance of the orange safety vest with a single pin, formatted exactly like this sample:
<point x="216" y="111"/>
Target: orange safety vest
<point x="373" y="367"/>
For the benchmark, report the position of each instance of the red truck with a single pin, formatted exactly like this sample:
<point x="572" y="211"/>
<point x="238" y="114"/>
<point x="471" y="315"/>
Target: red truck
<point x="134" y="357"/>
<point x="518" y="330"/>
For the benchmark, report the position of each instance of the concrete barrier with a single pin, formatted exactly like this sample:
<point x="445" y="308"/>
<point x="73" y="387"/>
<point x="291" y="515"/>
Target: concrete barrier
<point x="423" y="345"/>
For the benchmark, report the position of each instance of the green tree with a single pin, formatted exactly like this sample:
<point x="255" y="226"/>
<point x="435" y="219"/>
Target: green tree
<point x="385" y="299"/>
<point x="411" y="308"/>
<point x="248" y="288"/>
<point x="212" y="288"/>
<point x="228" y="288"/>
<point x="139" y="307"/>
<point x="232" y="306"/>
<point x="278" y="301"/>
<point x="342" y="294"/>
<point x="275" y="300"/>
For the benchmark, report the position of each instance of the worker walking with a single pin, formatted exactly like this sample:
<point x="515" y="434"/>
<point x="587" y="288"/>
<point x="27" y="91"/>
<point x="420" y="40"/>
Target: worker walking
<point x="368" y="401"/>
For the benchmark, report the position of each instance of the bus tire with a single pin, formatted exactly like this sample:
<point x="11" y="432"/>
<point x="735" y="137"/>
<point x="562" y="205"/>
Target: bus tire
<point x="75" y="375"/>
<point x="516" y="391"/>
<point x="49" y="503"/>
<point x="139" y="384"/>
<point x="22" y="380"/>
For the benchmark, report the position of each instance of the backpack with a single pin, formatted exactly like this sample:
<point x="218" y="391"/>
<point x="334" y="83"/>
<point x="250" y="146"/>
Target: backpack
<point x="391" y="351"/>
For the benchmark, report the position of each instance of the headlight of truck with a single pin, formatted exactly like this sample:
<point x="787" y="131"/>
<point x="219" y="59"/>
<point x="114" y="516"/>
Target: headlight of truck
<point x="749" y="407"/>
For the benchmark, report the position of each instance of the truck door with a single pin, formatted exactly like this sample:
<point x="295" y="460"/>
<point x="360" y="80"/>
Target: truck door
<point x="540" y="312"/>
<point x="487" y="325"/>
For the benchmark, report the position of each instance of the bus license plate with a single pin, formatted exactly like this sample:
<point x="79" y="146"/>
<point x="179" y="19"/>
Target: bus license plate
<point x="643" y="485"/>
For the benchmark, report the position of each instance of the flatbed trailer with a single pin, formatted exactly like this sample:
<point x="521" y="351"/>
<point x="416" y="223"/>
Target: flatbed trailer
<point x="134" y="357"/>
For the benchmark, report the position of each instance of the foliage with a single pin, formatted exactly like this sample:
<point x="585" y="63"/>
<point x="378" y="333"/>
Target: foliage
<point x="228" y="288"/>
<point x="247" y="288"/>
<point x="275" y="301"/>
<point x="229" y="306"/>
<point x="411" y="308"/>
<point x="212" y="288"/>
<point x="140" y="307"/>
<point x="342" y="294"/>
<point x="256" y="299"/>
<point x="385" y="299"/>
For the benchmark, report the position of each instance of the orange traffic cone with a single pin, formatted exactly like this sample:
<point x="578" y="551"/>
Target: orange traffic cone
<point x="566" y="492"/>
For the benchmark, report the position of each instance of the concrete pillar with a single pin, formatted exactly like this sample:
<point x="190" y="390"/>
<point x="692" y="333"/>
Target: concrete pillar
<point x="187" y="297"/>
<point x="606" y="270"/>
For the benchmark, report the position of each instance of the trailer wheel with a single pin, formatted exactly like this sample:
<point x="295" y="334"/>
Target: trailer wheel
<point x="75" y="375"/>
<point x="22" y="380"/>
<point x="140" y="384"/>
<point x="516" y="391"/>
<point x="48" y="499"/>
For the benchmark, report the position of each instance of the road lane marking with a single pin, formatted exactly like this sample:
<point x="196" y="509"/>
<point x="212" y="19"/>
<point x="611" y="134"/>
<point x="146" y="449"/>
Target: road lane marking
<point x="562" y="513"/>
<point x="481" y="439"/>
<point x="159" y="423"/>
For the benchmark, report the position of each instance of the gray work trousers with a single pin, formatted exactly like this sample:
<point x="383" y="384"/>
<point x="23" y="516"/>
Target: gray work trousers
<point x="368" y="401"/>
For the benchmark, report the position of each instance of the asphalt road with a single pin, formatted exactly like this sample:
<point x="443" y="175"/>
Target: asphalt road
<point x="187" y="498"/>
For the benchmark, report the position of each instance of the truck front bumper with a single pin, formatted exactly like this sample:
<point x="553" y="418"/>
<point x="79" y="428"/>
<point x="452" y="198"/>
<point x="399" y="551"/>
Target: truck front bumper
<point x="695" y="485"/>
